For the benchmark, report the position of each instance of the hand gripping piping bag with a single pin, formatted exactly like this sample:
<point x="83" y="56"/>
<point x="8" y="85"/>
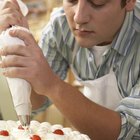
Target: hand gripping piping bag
<point x="20" y="89"/>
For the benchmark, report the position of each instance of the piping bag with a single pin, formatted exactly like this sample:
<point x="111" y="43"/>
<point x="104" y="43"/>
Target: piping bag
<point x="20" y="89"/>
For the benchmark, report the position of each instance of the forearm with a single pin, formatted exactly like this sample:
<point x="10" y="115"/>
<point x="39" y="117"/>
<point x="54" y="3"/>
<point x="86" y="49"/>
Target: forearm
<point x="37" y="100"/>
<point x="86" y="116"/>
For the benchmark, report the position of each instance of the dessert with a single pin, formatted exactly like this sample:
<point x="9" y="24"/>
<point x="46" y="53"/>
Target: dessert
<point x="13" y="130"/>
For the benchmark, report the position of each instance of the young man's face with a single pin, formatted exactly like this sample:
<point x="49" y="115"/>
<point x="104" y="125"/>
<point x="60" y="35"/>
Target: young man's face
<point x="94" y="22"/>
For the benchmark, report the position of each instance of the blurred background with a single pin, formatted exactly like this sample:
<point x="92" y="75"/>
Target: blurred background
<point x="39" y="14"/>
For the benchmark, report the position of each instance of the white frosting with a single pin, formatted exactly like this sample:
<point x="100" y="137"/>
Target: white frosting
<point x="11" y="124"/>
<point x="3" y="125"/>
<point x="47" y="125"/>
<point x="6" y="138"/>
<point x="34" y="125"/>
<point x="44" y="130"/>
<point x="19" y="133"/>
<point x="56" y="126"/>
<point x="51" y="136"/>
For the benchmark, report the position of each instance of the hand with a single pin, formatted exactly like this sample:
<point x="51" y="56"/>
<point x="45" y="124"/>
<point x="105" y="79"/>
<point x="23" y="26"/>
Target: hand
<point x="28" y="62"/>
<point x="10" y="14"/>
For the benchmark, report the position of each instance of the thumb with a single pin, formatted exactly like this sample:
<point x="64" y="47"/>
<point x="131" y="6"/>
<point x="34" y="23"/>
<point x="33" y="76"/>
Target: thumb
<point x="22" y="33"/>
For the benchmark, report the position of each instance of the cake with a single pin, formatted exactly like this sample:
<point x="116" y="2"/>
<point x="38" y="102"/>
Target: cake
<point x="12" y="130"/>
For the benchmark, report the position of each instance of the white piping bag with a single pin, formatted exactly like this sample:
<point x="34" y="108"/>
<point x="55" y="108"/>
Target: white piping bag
<point x="20" y="88"/>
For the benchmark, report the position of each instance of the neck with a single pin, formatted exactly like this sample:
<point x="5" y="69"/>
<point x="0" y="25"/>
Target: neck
<point x="104" y="43"/>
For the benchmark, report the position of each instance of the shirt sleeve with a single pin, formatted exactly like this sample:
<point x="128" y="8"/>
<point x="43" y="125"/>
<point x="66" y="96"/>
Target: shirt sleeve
<point x="130" y="114"/>
<point x="53" y="55"/>
<point x="42" y="108"/>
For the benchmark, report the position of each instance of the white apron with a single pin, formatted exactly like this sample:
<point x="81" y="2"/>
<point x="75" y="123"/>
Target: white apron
<point x="103" y="91"/>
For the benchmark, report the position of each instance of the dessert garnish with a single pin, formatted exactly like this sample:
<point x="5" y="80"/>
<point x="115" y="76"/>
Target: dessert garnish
<point x="58" y="132"/>
<point x="4" y="133"/>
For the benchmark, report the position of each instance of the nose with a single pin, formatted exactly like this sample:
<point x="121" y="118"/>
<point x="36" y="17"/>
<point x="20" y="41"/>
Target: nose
<point x="82" y="14"/>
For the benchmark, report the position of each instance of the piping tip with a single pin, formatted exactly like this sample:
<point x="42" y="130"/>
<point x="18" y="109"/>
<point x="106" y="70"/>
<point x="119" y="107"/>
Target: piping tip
<point x="24" y="120"/>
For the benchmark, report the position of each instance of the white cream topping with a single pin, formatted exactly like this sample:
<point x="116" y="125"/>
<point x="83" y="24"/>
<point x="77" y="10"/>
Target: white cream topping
<point x="6" y="138"/>
<point x="56" y="126"/>
<point x="19" y="133"/>
<point x="34" y="125"/>
<point x="11" y="124"/>
<point x="3" y="125"/>
<point x="44" y="130"/>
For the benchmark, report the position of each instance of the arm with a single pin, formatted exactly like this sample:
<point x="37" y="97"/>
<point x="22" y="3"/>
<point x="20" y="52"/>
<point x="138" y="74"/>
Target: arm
<point x="37" y="100"/>
<point x="86" y="116"/>
<point x="98" y="120"/>
<point x="39" y="103"/>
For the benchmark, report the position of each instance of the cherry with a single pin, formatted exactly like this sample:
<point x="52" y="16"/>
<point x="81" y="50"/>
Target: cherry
<point x="4" y="133"/>
<point x="59" y="132"/>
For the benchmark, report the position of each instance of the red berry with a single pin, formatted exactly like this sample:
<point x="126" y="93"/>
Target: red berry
<point x="35" y="137"/>
<point x="20" y="127"/>
<point x="4" y="133"/>
<point x="59" y="132"/>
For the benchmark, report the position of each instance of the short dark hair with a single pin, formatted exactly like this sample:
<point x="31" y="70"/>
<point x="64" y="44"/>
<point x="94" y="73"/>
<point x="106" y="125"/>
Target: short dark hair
<point x="123" y="3"/>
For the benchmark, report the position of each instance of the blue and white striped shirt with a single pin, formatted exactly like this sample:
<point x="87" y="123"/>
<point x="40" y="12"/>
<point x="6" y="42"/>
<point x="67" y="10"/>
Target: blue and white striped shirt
<point x="58" y="43"/>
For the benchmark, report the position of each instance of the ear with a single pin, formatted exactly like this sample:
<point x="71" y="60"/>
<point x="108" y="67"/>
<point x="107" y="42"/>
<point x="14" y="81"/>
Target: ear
<point x="130" y="4"/>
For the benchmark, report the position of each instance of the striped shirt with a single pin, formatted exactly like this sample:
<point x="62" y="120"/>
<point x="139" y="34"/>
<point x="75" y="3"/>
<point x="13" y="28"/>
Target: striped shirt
<point x="58" y="43"/>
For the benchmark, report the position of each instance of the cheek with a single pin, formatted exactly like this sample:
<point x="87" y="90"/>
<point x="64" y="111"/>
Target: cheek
<point x="105" y="21"/>
<point x="69" y="15"/>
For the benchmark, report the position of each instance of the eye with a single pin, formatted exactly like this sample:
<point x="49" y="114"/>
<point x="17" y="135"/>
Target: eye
<point x="94" y="5"/>
<point x="72" y="1"/>
<point x="97" y="5"/>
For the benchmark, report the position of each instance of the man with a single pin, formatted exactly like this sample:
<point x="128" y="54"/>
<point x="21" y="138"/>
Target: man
<point x="99" y="41"/>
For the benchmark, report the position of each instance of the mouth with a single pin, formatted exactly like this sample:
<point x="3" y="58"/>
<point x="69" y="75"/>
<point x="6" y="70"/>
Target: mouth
<point x="83" y="32"/>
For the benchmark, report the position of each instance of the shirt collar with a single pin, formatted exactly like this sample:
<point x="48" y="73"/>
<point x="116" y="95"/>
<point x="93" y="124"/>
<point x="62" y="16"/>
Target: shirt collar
<point x="123" y="38"/>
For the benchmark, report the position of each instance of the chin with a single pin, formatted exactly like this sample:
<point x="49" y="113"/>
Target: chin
<point x="85" y="44"/>
<point x="91" y="43"/>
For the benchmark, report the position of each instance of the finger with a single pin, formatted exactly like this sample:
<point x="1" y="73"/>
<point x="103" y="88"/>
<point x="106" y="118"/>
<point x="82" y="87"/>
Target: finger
<point x="1" y="65"/>
<point x="14" y="61"/>
<point x="9" y="18"/>
<point x="2" y="52"/>
<point x="10" y="3"/>
<point x="24" y="35"/>
<point x="14" y="72"/>
<point x="2" y="71"/>
<point x="25" y="22"/>
<point x="14" y="50"/>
